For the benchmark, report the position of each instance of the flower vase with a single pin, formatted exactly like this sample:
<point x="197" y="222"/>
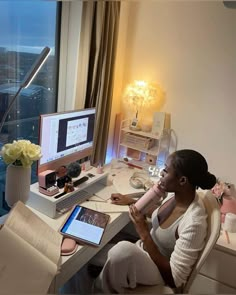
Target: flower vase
<point x="18" y="179"/>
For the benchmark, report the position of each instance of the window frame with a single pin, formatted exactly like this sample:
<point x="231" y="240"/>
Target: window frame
<point x="71" y="16"/>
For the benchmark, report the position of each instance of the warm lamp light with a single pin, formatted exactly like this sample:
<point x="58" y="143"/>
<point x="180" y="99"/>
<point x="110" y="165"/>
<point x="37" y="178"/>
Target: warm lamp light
<point x="27" y="80"/>
<point x="139" y="94"/>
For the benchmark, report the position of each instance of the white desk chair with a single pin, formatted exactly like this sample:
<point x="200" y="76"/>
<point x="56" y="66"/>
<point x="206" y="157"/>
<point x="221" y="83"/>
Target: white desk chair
<point x="213" y="233"/>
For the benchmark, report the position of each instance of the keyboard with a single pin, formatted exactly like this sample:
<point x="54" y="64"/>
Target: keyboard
<point x="70" y="201"/>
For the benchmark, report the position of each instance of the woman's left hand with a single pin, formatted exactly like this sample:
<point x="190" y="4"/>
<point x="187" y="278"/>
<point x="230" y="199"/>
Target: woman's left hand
<point x="139" y="221"/>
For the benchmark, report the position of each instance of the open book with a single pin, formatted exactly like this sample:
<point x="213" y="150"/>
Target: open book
<point x="29" y="252"/>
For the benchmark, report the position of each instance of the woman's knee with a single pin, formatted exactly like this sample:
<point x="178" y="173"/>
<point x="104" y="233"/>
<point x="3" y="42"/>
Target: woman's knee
<point x="122" y="251"/>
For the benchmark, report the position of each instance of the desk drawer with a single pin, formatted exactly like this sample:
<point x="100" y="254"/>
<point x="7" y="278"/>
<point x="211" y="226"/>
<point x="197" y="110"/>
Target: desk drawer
<point x="220" y="266"/>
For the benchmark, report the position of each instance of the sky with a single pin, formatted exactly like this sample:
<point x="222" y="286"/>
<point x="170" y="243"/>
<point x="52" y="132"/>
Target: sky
<point x="29" y="25"/>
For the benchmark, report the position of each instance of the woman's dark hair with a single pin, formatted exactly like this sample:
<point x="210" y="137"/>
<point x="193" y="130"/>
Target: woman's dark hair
<point x="194" y="166"/>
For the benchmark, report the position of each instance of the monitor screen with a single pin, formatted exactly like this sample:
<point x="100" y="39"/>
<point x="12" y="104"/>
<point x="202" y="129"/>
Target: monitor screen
<point x="65" y="137"/>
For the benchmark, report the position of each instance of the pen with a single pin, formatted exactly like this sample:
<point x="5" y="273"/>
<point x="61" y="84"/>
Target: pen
<point x="134" y="166"/>
<point x="102" y="201"/>
<point x="96" y="196"/>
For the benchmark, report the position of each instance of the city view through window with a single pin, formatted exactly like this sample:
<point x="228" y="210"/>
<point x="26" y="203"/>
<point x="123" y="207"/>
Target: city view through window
<point x="26" y="27"/>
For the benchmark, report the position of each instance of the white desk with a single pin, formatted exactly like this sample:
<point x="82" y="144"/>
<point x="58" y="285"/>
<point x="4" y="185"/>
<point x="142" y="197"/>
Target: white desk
<point x="70" y="265"/>
<point x="216" y="276"/>
<point x="73" y="263"/>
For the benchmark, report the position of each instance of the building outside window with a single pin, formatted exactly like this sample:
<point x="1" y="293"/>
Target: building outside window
<point x="26" y="27"/>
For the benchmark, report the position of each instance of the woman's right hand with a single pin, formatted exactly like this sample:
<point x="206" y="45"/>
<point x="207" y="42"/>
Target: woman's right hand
<point x="120" y="199"/>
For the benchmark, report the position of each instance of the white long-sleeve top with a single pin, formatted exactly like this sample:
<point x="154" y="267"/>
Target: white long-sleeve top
<point x="192" y="230"/>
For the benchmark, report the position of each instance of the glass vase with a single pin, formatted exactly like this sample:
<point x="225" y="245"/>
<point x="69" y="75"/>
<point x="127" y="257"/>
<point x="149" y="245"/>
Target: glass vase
<point x="18" y="179"/>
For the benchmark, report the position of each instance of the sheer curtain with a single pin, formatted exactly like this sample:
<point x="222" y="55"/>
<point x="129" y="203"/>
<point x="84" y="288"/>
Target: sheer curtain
<point x="98" y="42"/>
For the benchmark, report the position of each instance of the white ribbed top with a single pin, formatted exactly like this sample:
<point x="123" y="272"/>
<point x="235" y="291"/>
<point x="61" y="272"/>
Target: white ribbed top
<point x="192" y="231"/>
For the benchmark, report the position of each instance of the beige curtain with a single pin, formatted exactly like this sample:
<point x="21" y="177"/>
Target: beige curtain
<point x="98" y="44"/>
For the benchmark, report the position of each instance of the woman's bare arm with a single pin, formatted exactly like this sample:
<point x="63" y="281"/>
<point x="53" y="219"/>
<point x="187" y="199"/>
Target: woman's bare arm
<point x="120" y="199"/>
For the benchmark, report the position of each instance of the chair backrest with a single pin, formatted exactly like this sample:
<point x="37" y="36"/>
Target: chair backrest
<point x="213" y="232"/>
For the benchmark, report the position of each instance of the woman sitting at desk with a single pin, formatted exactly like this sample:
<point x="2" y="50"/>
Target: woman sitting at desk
<point x="166" y="254"/>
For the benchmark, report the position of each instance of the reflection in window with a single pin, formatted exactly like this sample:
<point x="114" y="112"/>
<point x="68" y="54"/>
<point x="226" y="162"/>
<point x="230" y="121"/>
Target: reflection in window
<point x="25" y="29"/>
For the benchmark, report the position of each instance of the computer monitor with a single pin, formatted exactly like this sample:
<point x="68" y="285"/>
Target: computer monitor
<point x="65" y="137"/>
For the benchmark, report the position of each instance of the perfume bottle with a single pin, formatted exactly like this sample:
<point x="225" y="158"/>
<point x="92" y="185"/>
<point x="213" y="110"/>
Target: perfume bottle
<point x="151" y="197"/>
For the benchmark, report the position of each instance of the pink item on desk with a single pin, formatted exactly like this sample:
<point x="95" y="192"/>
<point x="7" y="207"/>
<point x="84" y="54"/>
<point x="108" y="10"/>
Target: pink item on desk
<point x="100" y="170"/>
<point x="68" y="247"/>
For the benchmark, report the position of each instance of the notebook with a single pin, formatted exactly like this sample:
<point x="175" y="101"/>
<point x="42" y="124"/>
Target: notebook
<point x="85" y="225"/>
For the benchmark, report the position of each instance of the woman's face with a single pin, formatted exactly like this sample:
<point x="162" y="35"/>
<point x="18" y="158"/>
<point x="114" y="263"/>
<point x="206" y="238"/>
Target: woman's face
<point x="169" y="179"/>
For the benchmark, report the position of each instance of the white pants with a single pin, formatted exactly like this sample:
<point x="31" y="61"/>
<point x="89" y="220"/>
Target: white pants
<point x="127" y="265"/>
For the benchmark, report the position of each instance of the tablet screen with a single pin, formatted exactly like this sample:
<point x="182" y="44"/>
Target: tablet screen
<point x="85" y="225"/>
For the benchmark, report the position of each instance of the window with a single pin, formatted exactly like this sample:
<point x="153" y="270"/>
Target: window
<point x="26" y="27"/>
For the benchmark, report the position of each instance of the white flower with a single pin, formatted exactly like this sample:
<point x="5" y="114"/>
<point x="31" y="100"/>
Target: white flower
<point x="21" y="153"/>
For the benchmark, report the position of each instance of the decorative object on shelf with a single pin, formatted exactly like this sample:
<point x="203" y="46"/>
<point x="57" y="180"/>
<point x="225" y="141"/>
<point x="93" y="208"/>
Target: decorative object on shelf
<point x="150" y="159"/>
<point x="61" y="171"/>
<point x="158" y="123"/>
<point x="47" y="182"/>
<point x="134" y="125"/>
<point x="139" y="141"/>
<point x="100" y="169"/>
<point x="19" y="156"/>
<point x="154" y="171"/>
<point x="63" y="180"/>
<point x="133" y="154"/>
<point x="47" y="178"/>
<point x="226" y="195"/>
<point x="146" y="127"/>
<point x="230" y="222"/>
<point x="138" y="95"/>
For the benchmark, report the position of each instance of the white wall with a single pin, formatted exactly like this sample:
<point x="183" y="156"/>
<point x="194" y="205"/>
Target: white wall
<point x="189" y="47"/>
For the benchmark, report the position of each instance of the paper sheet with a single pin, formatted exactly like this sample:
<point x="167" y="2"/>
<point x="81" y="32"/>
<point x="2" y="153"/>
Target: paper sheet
<point x="101" y="191"/>
<point x="106" y="207"/>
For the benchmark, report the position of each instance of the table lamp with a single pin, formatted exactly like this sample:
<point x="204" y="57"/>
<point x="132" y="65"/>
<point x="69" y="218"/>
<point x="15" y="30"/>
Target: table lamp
<point x="27" y="80"/>
<point x="138" y="95"/>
